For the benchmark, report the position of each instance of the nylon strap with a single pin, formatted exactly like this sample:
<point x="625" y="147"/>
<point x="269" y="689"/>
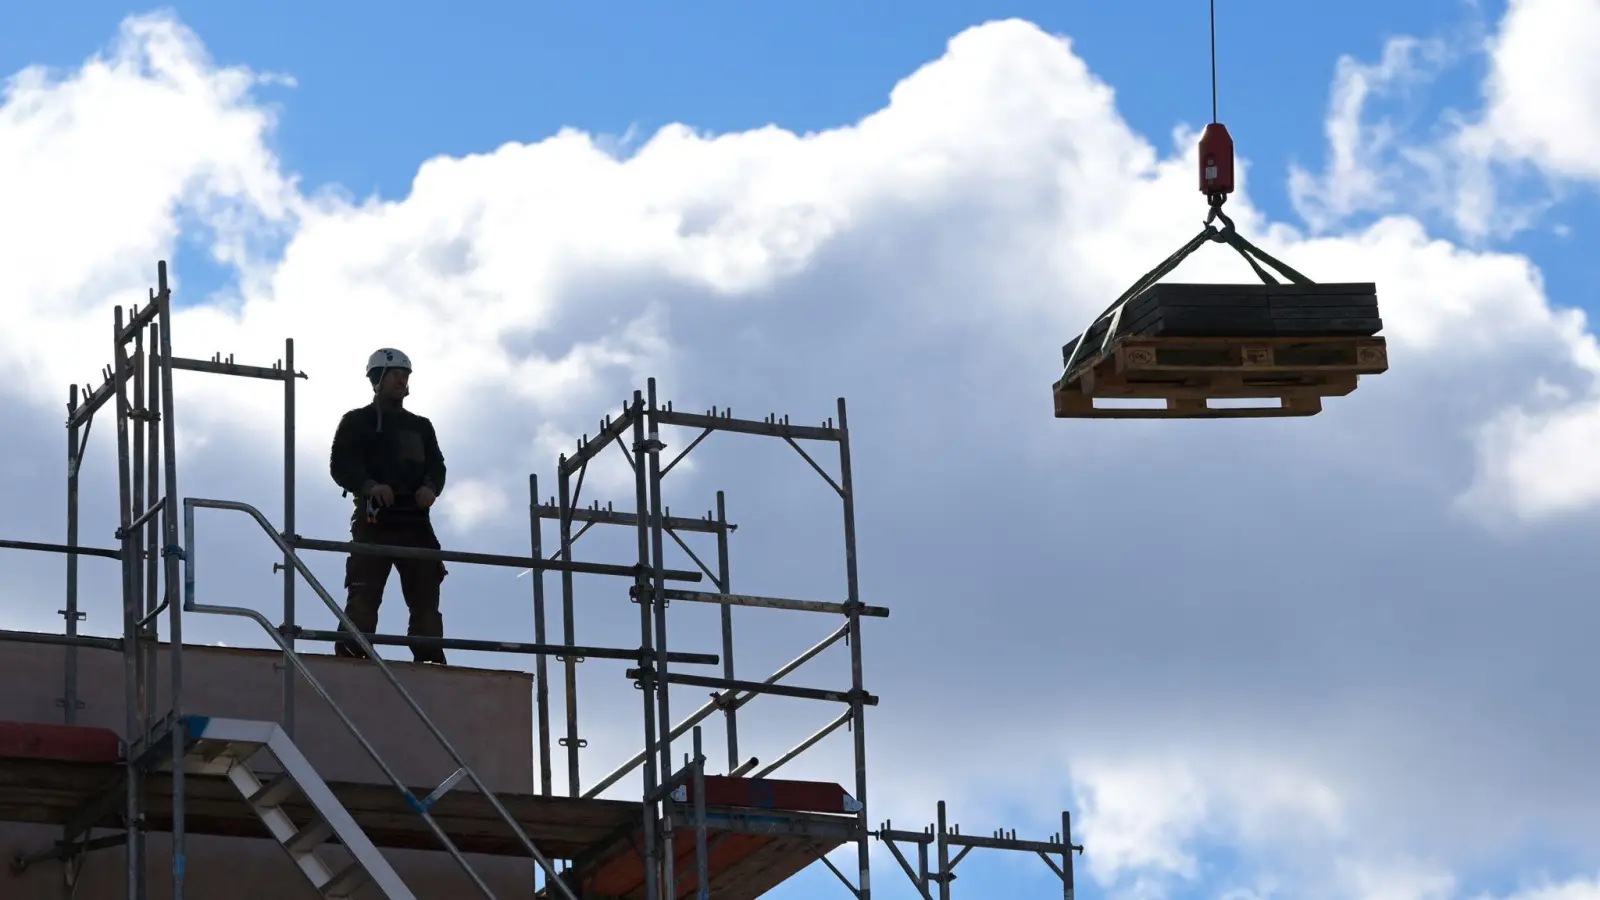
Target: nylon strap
<point x="1224" y="235"/>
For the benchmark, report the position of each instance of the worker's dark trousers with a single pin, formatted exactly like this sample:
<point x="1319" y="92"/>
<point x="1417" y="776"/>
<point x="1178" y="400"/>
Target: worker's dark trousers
<point x="365" y="577"/>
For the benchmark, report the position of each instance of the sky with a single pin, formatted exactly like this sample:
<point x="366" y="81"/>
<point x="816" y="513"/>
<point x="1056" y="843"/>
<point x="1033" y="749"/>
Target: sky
<point x="1344" y="656"/>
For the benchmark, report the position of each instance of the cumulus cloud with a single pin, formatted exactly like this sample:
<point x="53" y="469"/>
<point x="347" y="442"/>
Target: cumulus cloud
<point x="1544" y="75"/>
<point x="1362" y="170"/>
<point x="1490" y="173"/>
<point x="108" y="161"/>
<point x="1531" y="454"/>
<point x="1271" y="635"/>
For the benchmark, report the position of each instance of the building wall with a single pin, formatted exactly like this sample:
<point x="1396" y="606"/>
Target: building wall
<point x="487" y="715"/>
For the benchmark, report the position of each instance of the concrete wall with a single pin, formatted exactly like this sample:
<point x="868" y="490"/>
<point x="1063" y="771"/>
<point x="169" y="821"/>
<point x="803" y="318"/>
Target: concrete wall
<point x="486" y="714"/>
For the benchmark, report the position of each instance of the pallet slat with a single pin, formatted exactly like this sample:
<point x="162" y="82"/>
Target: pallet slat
<point x="1077" y="406"/>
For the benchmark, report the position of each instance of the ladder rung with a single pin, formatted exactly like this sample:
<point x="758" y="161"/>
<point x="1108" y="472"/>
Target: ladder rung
<point x="347" y="882"/>
<point x="234" y="743"/>
<point x="314" y="834"/>
<point x="208" y="752"/>
<point x="275" y="791"/>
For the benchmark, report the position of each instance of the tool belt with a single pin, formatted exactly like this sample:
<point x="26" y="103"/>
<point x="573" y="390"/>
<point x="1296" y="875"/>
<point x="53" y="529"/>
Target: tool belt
<point x="404" y="509"/>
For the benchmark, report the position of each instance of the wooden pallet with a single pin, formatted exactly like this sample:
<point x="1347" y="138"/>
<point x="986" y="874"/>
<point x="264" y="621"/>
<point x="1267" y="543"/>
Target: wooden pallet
<point x="1188" y="372"/>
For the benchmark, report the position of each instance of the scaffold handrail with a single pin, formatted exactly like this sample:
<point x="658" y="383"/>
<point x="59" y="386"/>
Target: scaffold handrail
<point x="189" y="605"/>
<point x="483" y="559"/>
<point x="40" y="547"/>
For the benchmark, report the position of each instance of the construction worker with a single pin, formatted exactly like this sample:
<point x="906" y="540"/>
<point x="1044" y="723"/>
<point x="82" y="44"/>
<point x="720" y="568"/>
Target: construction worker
<point x="388" y="457"/>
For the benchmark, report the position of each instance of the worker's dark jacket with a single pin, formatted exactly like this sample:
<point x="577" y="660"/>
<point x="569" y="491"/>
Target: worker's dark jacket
<point x="404" y="454"/>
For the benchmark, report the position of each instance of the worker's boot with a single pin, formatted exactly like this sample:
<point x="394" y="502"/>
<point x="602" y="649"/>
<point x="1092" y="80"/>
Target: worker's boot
<point x="348" y="650"/>
<point x="427" y="625"/>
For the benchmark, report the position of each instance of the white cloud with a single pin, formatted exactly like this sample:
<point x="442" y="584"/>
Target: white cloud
<point x="1540" y="92"/>
<point x="1532" y="454"/>
<point x="1140" y="818"/>
<point x="1147" y="817"/>
<point x="473" y="502"/>
<point x="1576" y="889"/>
<point x="1396" y="881"/>
<point x="102" y="161"/>
<point x="927" y="262"/>
<point x="1489" y="173"/>
<point x="1356" y="178"/>
<point x="1537" y="462"/>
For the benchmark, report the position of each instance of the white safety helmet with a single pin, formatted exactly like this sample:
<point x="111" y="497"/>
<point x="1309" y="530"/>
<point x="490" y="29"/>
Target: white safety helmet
<point x="383" y="360"/>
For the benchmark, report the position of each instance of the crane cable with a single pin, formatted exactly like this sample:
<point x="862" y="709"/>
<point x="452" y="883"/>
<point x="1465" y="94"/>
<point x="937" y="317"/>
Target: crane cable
<point x="1213" y="62"/>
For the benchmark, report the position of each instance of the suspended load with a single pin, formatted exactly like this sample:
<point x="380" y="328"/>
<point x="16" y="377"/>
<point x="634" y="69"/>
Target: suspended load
<point x="1190" y="344"/>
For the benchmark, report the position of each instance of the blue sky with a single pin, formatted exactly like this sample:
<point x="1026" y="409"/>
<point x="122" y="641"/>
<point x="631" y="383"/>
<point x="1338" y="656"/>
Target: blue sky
<point x="1147" y="709"/>
<point x="383" y="86"/>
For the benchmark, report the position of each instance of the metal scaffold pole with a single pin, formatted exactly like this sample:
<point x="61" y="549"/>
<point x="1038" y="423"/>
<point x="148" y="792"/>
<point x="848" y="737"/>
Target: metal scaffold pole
<point x="730" y="712"/>
<point x="69" y="700"/>
<point x="133" y="812"/>
<point x="153" y="416"/>
<point x="171" y="556"/>
<point x="649" y="457"/>
<point x="138" y="417"/>
<point x="541" y="670"/>
<point x="646" y="676"/>
<point x="569" y="660"/>
<point x="858" y="717"/>
<point x="289" y="451"/>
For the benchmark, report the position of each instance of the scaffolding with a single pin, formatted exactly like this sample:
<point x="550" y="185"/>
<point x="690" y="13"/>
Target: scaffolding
<point x="159" y="569"/>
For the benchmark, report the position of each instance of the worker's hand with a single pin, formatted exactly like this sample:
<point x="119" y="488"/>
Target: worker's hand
<point x="382" y="495"/>
<point x="425" y="497"/>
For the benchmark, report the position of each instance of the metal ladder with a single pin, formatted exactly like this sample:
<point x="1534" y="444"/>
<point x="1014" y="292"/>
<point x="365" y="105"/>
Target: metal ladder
<point x="227" y="747"/>
<point x="307" y="777"/>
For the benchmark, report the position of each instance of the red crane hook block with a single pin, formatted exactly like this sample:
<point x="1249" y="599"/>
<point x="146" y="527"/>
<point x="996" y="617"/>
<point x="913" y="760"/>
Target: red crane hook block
<point x="1216" y="161"/>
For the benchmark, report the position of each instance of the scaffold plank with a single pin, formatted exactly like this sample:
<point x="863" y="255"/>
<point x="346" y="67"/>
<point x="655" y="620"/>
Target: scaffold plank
<point x="48" y="772"/>
<point x="63" y="743"/>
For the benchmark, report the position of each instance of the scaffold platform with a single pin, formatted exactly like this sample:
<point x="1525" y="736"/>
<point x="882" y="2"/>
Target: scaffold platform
<point x="53" y="774"/>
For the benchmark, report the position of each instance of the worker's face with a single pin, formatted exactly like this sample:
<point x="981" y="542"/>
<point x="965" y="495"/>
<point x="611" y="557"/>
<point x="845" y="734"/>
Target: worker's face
<point x="396" y="384"/>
